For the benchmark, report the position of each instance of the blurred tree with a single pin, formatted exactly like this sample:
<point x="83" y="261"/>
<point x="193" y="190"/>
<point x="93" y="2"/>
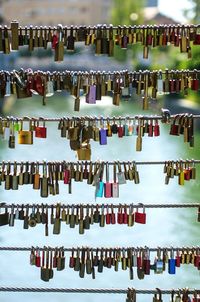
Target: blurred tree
<point x="122" y="12"/>
<point x="127" y="12"/>
<point x="193" y="14"/>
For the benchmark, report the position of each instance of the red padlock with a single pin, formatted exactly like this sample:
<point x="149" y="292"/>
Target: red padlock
<point x="120" y="215"/>
<point x="120" y="131"/>
<point x="149" y="37"/>
<point x="178" y="259"/>
<point x="164" y="39"/>
<point x="187" y="173"/>
<point x="39" y="84"/>
<point x="151" y="130"/>
<point x="197" y="260"/>
<point x="38" y="259"/>
<point x="108" y="216"/>
<point x="54" y="41"/>
<point x="72" y="260"/>
<point x="125" y="215"/>
<point x="146" y="263"/>
<point x="140" y="217"/>
<point x="41" y="131"/>
<point x="67" y="176"/>
<point x="197" y="40"/>
<point x="139" y="260"/>
<point x="156" y="128"/>
<point x="174" y="130"/>
<point x="172" y="36"/>
<point x="172" y="86"/>
<point x="195" y="82"/>
<point x="107" y="184"/>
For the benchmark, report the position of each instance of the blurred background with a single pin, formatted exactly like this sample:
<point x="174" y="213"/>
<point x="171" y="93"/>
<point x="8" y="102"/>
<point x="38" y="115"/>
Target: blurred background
<point x="178" y="227"/>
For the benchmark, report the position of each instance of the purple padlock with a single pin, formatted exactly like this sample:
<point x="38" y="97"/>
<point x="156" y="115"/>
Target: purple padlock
<point x="91" y="96"/>
<point x="102" y="136"/>
<point x="124" y="42"/>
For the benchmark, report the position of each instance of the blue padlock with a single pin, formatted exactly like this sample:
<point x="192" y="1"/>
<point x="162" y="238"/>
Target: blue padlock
<point x="100" y="189"/>
<point x="172" y="264"/>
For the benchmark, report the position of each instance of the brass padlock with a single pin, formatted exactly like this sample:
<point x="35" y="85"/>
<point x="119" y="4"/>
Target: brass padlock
<point x="14" y="35"/>
<point x="32" y="220"/>
<point x="84" y="153"/>
<point x="59" y="48"/>
<point x="25" y="137"/>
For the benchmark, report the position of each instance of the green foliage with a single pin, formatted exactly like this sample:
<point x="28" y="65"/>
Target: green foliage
<point x="194" y="63"/>
<point x="190" y="64"/>
<point x="193" y="14"/>
<point x="122" y="10"/>
<point x="121" y="14"/>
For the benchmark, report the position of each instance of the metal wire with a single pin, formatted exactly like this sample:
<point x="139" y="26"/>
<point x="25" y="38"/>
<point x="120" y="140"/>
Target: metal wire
<point x="118" y="73"/>
<point x="70" y="249"/>
<point x="107" y="27"/>
<point x="193" y="161"/>
<point x="114" y="206"/>
<point x="96" y="290"/>
<point x="92" y="118"/>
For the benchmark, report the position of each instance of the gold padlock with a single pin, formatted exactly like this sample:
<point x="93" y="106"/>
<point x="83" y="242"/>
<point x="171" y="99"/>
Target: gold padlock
<point x="25" y="137"/>
<point x="84" y="153"/>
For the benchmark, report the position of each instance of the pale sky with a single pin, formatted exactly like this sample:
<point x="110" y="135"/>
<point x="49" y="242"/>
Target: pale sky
<point x="174" y="8"/>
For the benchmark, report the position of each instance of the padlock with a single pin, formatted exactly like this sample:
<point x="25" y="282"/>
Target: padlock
<point x="107" y="184"/>
<point x="140" y="217"/>
<point x="40" y="131"/>
<point x="172" y="263"/>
